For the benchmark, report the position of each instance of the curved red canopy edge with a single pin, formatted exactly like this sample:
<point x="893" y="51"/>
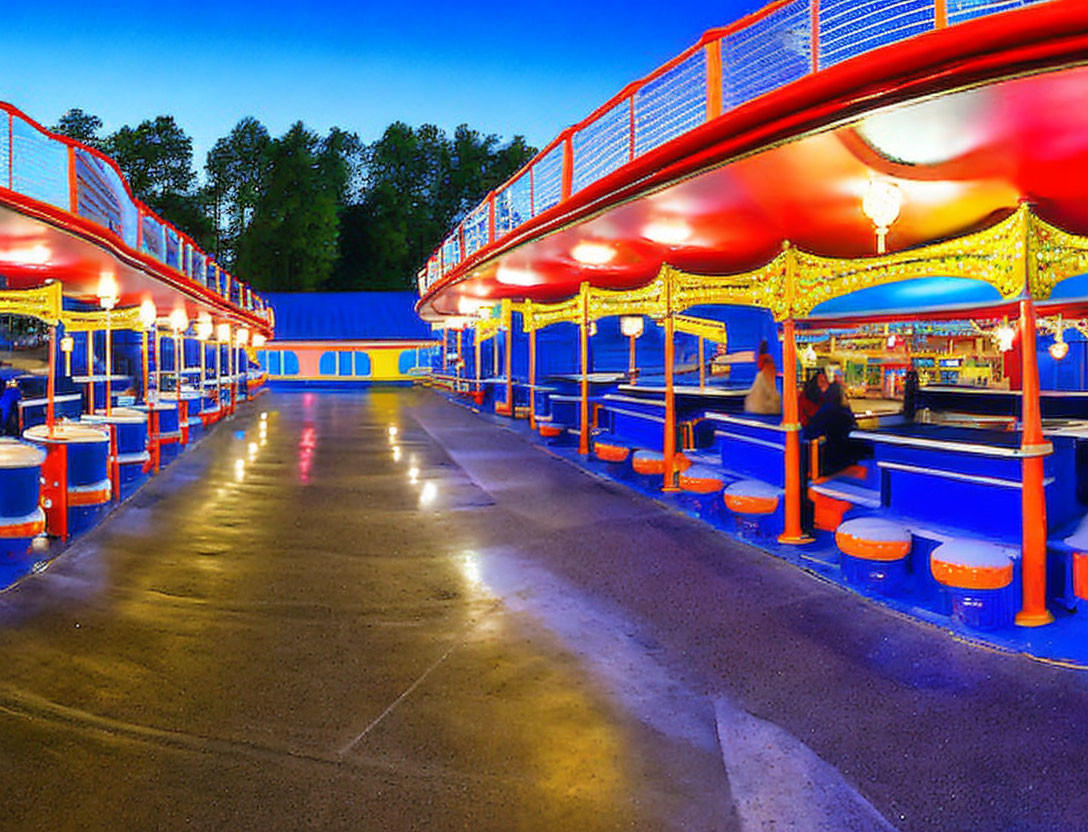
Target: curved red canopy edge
<point x="967" y="121"/>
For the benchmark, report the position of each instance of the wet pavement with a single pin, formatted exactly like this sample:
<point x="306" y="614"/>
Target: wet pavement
<point x="323" y="625"/>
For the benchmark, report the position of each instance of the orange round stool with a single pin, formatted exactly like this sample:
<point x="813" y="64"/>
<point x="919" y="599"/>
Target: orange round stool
<point x="978" y="576"/>
<point x="874" y="553"/>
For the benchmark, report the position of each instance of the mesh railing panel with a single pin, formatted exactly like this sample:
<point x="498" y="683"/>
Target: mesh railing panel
<point x="173" y="249"/>
<point x="671" y="104"/>
<point x="197" y="267"/>
<point x="475" y="228"/>
<point x="962" y="10"/>
<point x="849" y="28"/>
<point x="5" y="138"/>
<point x="603" y="146"/>
<point x="547" y="181"/>
<point x="451" y="252"/>
<point x="40" y="168"/>
<point x="768" y="54"/>
<point x="513" y="205"/>
<point x="153" y="239"/>
<point x="97" y="199"/>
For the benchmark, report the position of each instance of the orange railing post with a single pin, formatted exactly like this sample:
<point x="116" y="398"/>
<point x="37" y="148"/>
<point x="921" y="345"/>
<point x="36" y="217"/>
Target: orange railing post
<point x="814" y="39"/>
<point x="73" y="182"/>
<point x="713" y="79"/>
<point x="1033" y="611"/>
<point x="568" y="168"/>
<point x="940" y="13"/>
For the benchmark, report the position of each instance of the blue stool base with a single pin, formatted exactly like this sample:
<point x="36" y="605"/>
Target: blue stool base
<point x="882" y="577"/>
<point x="983" y="609"/>
<point x="15" y="550"/>
<point x="82" y="518"/>
<point x="132" y="477"/>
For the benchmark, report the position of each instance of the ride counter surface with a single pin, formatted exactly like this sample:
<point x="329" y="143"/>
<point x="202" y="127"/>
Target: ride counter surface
<point x="968" y="478"/>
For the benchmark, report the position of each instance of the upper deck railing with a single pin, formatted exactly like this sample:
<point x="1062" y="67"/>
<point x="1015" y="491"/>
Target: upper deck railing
<point x="67" y="175"/>
<point x="727" y="68"/>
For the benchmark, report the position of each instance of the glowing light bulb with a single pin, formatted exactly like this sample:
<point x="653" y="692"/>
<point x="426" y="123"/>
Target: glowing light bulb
<point x="631" y="325"/>
<point x="593" y="254"/>
<point x="148" y="313"/>
<point x="881" y="204"/>
<point x="179" y="321"/>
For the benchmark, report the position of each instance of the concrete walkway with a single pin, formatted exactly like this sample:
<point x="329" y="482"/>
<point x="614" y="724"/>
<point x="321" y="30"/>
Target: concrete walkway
<point x="323" y="626"/>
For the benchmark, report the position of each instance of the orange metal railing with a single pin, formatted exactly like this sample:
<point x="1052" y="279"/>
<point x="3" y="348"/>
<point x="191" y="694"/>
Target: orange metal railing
<point x="66" y="175"/>
<point x="727" y="68"/>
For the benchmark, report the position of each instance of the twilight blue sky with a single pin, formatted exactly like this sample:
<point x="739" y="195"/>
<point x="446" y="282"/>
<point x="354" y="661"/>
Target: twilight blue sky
<point x="506" y="68"/>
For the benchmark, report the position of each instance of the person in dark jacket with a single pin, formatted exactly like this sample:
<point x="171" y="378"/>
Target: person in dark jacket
<point x="812" y="396"/>
<point x="9" y="408"/>
<point x="834" y="421"/>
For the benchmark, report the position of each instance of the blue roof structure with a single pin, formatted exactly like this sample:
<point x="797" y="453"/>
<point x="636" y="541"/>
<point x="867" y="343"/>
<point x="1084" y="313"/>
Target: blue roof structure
<point x="347" y="316"/>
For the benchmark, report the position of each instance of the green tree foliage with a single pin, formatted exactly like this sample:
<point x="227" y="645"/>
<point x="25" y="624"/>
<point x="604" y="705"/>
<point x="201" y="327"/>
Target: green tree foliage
<point x="157" y="159"/>
<point x="80" y="126"/>
<point x="417" y="185"/>
<point x="291" y="242"/>
<point x="235" y="171"/>
<point x="305" y="211"/>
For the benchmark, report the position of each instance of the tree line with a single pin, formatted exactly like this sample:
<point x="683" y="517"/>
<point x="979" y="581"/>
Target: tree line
<point x="304" y="211"/>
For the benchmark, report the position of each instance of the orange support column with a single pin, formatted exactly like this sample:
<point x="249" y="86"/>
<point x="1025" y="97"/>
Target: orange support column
<point x="457" y="366"/>
<point x="669" y="444"/>
<point x="791" y="423"/>
<point x="583" y="328"/>
<point x="1033" y="611"/>
<point x="509" y="361"/>
<point x="532" y="379"/>
<point x="476" y="350"/>
<point x="90" y="370"/>
<point x="51" y="382"/>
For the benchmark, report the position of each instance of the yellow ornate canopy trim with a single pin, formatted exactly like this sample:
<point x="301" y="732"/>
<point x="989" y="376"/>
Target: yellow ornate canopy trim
<point x="43" y="303"/>
<point x="651" y="300"/>
<point x="487" y="328"/>
<point x="996" y="255"/>
<point x="765" y="287"/>
<point x="1057" y="255"/>
<point x="127" y="318"/>
<point x="540" y="315"/>
<point x="713" y="331"/>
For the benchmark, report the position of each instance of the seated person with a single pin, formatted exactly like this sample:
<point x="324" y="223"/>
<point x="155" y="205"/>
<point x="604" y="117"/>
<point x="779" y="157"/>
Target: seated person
<point x="834" y="421"/>
<point x="812" y="396"/>
<point x="9" y="408"/>
<point x="763" y="395"/>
